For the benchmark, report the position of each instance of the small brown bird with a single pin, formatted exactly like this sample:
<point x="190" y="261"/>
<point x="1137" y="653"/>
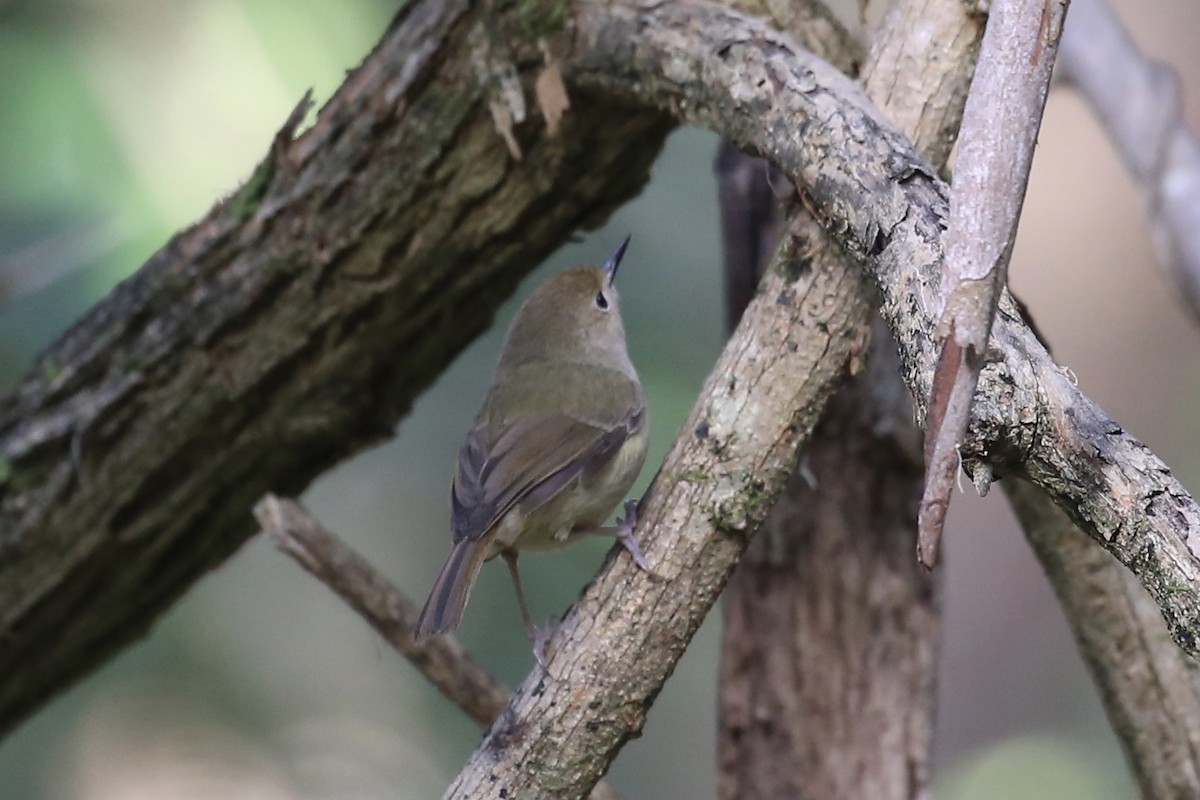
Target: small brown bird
<point x="559" y="441"/>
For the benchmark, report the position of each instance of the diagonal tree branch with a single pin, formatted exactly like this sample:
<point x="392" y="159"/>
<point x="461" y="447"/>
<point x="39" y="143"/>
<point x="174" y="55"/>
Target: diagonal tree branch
<point x="621" y="641"/>
<point x="292" y="326"/>
<point x="262" y="345"/>
<point x="443" y="661"/>
<point x="616" y="647"/>
<point x="1150" y="688"/>
<point x="888" y="208"/>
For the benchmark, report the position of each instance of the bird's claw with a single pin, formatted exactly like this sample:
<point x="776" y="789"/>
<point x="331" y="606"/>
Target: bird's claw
<point x="628" y="521"/>
<point x="624" y="534"/>
<point x="539" y="638"/>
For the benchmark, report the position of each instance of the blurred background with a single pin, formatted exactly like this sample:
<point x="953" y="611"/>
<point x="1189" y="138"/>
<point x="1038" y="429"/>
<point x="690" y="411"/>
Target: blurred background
<point x="123" y="120"/>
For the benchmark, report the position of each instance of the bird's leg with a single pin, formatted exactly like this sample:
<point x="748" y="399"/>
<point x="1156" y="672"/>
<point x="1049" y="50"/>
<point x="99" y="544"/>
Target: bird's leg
<point x="537" y="636"/>
<point x="623" y="531"/>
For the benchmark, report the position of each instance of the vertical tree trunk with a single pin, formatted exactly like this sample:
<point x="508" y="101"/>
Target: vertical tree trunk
<point x="828" y="672"/>
<point x="830" y="646"/>
<point x="830" y="649"/>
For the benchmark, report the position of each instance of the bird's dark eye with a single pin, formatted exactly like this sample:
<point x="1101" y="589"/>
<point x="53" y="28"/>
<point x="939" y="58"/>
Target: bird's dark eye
<point x="601" y="301"/>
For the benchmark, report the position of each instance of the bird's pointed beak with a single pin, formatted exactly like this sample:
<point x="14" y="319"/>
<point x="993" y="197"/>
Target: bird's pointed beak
<point x="614" y="260"/>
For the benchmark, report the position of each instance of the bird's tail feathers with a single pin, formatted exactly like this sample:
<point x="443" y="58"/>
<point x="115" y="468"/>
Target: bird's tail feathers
<point x="443" y="610"/>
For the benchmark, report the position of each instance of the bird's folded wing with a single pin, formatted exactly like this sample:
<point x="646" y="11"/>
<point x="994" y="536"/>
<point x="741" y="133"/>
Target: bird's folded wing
<point x="533" y="457"/>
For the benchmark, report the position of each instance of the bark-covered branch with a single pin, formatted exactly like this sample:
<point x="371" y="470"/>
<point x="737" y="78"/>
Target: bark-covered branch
<point x="714" y="67"/>
<point x="292" y="326"/>
<point x="620" y="642"/>
<point x="829" y="659"/>
<point x="1000" y="123"/>
<point x="1150" y="688"/>
<point x="296" y="323"/>
<point x="442" y="660"/>
<point x="828" y="668"/>
<point x="887" y="207"/>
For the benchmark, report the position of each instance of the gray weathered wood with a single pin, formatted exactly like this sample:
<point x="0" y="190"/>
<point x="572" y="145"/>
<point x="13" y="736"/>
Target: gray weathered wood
<point x="1002" y="116"/>
<point x="1150" y="688"/>
<point x="829" y="655"/>
<point x="887" y="208"/>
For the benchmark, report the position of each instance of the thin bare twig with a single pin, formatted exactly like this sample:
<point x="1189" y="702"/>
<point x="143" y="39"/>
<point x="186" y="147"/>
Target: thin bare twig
<point x="445" y="662"/>
<point x="1139" y="103"/>
<point x="995" y="149"/>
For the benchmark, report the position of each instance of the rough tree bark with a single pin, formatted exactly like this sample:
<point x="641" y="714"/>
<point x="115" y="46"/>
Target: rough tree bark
<point x="129" y="471"/>
<point x="828" y="679"/>
<point x="1149" y="687"/>
<point x="619" y="643"/>
<point x="442" y="660"/>
<point x="886" y="206"/>
<point x="289" y="328"/>
<point x="828" y="675"/>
